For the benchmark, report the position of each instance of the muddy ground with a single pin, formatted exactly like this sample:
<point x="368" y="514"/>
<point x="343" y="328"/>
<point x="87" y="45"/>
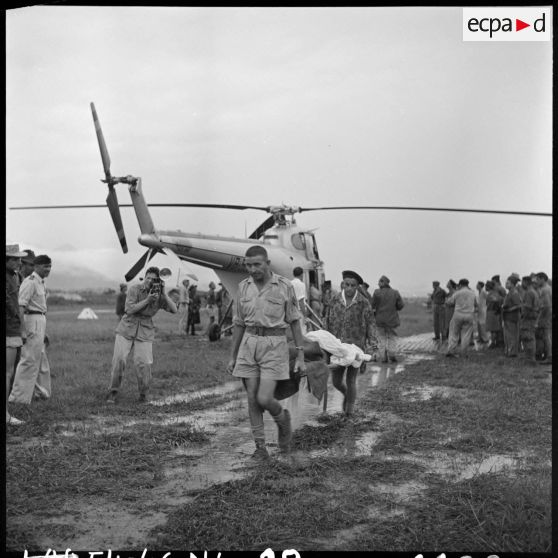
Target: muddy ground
<point x="187" y="471"/>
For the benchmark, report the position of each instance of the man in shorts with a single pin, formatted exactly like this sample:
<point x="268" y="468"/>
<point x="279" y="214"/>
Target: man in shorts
<point x="265" y="306"/>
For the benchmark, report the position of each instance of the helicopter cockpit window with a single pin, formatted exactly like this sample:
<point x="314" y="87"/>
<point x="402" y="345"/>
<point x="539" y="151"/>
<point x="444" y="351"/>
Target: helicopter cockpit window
<point x="298" y="241"/>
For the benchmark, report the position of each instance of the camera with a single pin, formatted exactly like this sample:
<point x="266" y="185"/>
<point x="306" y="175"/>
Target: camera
<point x="156" y="286"/>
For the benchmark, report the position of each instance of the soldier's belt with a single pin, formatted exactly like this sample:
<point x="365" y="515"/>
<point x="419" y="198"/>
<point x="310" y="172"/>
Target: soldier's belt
<point x="265" y="331"/>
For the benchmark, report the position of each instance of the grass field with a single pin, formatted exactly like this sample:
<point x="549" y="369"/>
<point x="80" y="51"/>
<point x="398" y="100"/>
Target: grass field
<point x="443" y="456"/>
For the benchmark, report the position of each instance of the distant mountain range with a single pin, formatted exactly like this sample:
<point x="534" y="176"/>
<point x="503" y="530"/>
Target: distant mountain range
<point x="77" y="278"/>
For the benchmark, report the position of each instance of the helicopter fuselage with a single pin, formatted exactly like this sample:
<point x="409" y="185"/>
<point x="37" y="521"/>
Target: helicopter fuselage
<point x="287" y="245"/>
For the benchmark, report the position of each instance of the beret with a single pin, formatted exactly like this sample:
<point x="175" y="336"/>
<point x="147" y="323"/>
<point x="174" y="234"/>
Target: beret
<point x="348" y="274"/>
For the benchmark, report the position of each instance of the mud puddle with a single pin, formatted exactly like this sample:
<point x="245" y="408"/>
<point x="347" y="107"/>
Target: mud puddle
<point x="188" y="470"/>
<point x="458" y="466"/>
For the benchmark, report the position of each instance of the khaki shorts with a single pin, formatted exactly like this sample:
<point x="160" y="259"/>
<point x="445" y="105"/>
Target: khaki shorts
<point x="262" y="357"/>
<point x="13" y="342"/>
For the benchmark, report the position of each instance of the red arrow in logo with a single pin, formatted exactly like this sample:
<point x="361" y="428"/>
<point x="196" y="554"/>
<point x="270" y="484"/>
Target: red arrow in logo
<point x="519" y="25"/>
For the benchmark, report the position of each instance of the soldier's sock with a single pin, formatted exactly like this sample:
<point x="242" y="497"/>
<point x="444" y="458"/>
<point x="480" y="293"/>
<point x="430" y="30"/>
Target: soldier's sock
<point x="280" y="417"/>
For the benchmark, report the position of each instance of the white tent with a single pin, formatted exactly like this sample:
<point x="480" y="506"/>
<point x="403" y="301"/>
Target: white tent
<point x="87" y="314"/>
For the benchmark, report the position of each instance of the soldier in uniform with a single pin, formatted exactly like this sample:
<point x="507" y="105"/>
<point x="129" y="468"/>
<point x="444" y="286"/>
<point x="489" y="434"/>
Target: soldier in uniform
<point x="349" y="318"/>
<point x="15" y="330"/>
<point x="265" y="306"/>
<point x="386" y="304"/>
<point x="511" y="309"/>
<point x="136" y="332"/>
<point x="30" y="377"/>
<point x="438" y="298"/>
<point x="529" y="313"/>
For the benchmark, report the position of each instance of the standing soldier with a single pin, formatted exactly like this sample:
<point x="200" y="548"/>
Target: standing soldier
<point x="15" y="330"/>
<point x="464" y="303"/>
<point x="386" y="303"/>
<point x="30" y="377"/>
<point x="451" y="286"/>
<point x="511" y="309"/>
<point x="438" y="298"/>
<point x="349" y="318"/>
<point x="529" y="313"/>
<point x="136" y="332"/>
<point x="265" y="306"/>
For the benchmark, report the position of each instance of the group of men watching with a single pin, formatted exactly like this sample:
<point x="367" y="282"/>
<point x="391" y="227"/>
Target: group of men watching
<point x="266" y="306"/>
<point x="512" y="317"/>
<point x="26" y="338"/>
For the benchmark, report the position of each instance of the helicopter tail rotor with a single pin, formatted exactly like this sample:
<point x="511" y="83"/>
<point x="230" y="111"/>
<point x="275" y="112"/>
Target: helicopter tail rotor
<point x="112" y="200"/>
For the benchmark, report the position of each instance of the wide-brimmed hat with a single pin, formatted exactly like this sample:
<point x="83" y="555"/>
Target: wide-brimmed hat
<point x="29" y="257"/>
<point x="13" y="251"/>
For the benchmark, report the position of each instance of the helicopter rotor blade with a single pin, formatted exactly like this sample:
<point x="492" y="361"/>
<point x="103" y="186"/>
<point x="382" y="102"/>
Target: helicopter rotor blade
<point x="267" y="224"/>
<point x="451" y="209"/>
<point x="112" y="203"/>
<point x="210" y="205"/>
<point x="102" y="145"/>
<point x="140" y="264"/>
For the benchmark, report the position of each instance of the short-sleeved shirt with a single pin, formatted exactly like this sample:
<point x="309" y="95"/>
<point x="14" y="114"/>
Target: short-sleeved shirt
<point x="33" y="293"/>
<point x="464" y="300"/>
<point x="139" y="325"/>
<point x="299" y="288"/>
<point x="275" y="306"/>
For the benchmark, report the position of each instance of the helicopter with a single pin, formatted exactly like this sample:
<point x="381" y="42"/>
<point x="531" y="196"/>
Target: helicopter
<point x="288" y="244"/>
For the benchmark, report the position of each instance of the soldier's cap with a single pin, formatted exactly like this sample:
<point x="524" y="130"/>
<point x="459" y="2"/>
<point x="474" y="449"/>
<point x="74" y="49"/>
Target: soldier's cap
<point x="463" y="282"/>
<point x="29" y="257"/>
<point x="43" y="259"/>
<point x="496" y="278"/>
<point x="516" y="275"/>
<point x="348" y="274"/>
<point x="436" y="283"/>
<point x="384" y="279"/>
<point x="12" y="251"/>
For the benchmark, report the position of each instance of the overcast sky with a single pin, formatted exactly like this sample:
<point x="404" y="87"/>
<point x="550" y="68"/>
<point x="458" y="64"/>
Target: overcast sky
<point x="303" y="106"/>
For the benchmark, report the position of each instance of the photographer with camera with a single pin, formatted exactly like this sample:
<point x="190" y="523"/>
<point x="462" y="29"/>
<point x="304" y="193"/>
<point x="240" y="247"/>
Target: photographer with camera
<point x="136" y="331"/>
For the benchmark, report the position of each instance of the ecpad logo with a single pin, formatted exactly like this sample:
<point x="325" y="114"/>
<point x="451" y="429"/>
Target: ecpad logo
<point x="507" y="24"/>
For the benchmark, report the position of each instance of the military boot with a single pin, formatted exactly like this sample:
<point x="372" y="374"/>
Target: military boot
<point x="261" y="453"/>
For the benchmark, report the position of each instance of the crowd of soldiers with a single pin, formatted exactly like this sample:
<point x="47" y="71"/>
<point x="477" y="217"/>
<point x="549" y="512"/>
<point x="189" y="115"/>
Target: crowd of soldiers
<point x="511" y="317"/>
<point x="515" y="318"/>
